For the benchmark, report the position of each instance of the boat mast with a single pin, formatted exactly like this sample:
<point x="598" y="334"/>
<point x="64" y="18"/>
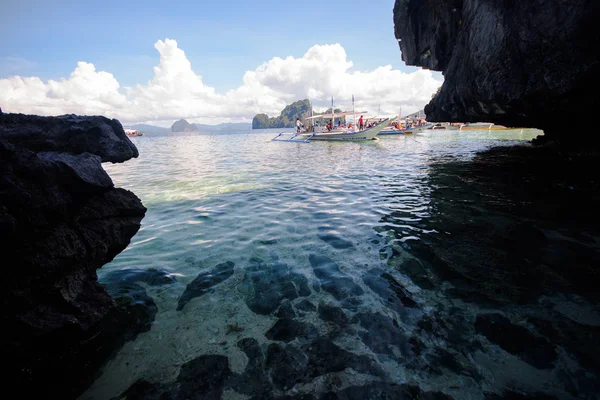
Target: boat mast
<point x="332" y="117"/>
<point x="353" y="111"/>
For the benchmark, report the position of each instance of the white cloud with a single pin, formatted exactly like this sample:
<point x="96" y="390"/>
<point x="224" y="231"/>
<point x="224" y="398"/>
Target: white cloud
<point x="176" y="91"/>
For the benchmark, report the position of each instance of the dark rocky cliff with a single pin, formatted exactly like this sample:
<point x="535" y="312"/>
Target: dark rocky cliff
<point x="61" y="218"/>
<point x="514" y="63"/>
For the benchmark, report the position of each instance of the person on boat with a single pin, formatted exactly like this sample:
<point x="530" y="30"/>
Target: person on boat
<point x="299" y="125"/>
<point x="361" y="123"/>
<point x="330" y="125"/>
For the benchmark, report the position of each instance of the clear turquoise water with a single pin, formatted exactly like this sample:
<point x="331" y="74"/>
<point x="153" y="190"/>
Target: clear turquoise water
<point x="239" y="196"/>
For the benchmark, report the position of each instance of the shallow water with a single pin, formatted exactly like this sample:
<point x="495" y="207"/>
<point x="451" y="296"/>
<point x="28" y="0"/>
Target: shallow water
<point x="318" y="243"/>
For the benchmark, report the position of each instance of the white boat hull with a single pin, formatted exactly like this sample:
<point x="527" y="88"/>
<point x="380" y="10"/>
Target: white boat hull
<point x="344" y="135"/>
<point x="408" y="131"/>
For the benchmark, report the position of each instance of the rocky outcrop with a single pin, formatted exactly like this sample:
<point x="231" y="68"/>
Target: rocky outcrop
<point x="61" y="218"/>
<point x="183" y="126"/>
<point x="287" y="118"/>
<point x="514" y="63"/>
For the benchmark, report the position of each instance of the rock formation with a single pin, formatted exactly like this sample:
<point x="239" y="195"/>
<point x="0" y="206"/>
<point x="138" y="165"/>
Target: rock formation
<point x="514" y="63"/>
<point x="183" y="126"/>
<point x="61" y="218"/>
<point x="287" y="118"/>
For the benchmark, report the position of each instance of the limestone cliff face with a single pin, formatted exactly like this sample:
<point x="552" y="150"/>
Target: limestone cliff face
<point x="515" y="63"/>
<point x="61" y="218"/>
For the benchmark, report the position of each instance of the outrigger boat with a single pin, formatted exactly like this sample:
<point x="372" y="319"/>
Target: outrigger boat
<point x="334" y="133"/>
<point x="394" y="130"/>
<point x="399" y="126"/>
<point x="346" y="134"/>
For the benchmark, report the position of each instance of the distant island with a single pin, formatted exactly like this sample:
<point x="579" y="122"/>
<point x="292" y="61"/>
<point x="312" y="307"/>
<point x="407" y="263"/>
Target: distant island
<point x="287" y="118"/>
<point x="183" y="126"/>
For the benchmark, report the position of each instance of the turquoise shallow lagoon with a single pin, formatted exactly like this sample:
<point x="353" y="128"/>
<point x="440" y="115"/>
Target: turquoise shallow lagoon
<point x="300" y="270"/>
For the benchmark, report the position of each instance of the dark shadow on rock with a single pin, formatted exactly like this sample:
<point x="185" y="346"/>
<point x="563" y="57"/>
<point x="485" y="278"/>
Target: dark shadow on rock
<point x="286" y="330"/>
<point x="204" y="282"/>
<point x="384" y="391"/>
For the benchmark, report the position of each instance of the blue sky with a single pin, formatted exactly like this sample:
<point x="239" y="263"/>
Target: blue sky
<point x="222" y="40"/>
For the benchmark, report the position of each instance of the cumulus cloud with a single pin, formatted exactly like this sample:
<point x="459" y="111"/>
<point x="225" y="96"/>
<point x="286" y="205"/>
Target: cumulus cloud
<point x="176" y="91"/>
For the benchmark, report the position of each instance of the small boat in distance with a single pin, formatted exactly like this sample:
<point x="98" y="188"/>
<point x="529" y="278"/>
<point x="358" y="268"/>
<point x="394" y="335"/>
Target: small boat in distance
<point x="133" y="132"/>
<point x="483" y="126"/>
<point x="401" y="128"/>
<point x="443" y="125"/>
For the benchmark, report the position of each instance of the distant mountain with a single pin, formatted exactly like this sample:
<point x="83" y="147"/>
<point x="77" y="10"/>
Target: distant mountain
<point x="183" y="126"/>
<point x="220" y="128"/>
<point x="225" y="127"/>
<point x="287" y="118"/>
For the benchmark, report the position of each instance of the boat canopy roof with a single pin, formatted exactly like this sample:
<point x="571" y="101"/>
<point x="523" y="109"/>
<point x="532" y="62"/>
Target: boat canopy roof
<point x="337" y="114"/>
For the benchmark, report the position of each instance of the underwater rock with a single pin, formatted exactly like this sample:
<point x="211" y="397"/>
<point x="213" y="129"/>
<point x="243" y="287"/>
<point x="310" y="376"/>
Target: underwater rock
<point x="384" y="390"/>
<point x="286" y="365"/>
<point x="517" y="340"/>
<point x="415" y="269"/>
<point x="268" y="285"/>
<point x="289" y="365"/>
<point x="394" y="296"/>
<point x="203" y="378"/>
<point x="287" y="329"/>
<point x="306" y="306"/>
<point x="334" y="240"/>
<point x="578" y="339"/>
<point x="333" y="280"/>
<point x="61" y="218"/>
<point x="204" y="282"/>
<point x="143" y="390"/>
<point x="254" y="381"/>
<point x="324" y="357"/>
<point x="382" y="334"/>
<point x="513" y="395"/>
<point x="333" y="314"/>
<point x="286" y="311"/>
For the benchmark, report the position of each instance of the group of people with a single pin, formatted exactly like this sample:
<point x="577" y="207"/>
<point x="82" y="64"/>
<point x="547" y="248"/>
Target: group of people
<point x="330" y="124"/>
